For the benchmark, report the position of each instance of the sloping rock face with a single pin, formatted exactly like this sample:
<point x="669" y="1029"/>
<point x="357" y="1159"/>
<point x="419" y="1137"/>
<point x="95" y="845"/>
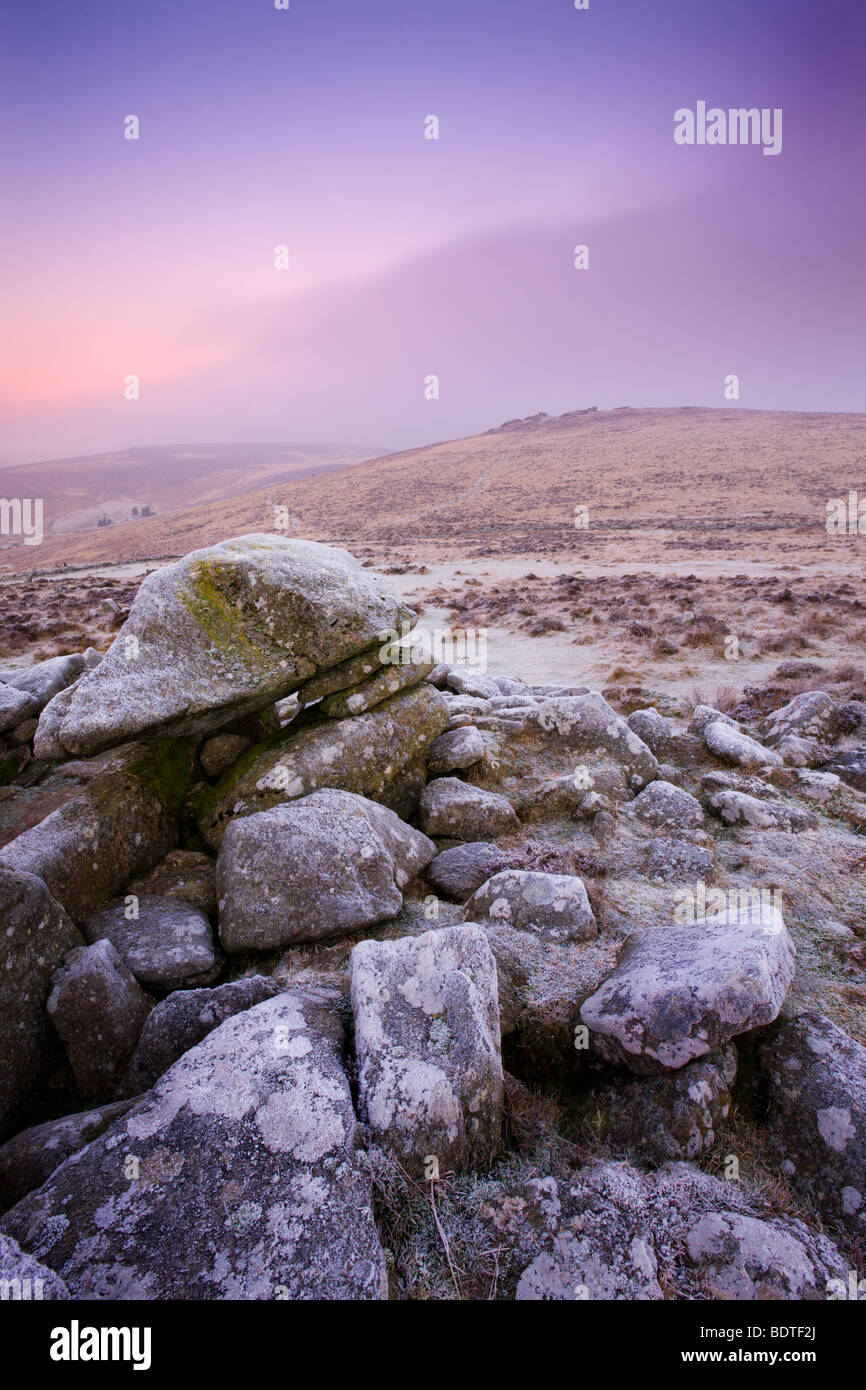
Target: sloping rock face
<point x="681" y="992"/>
<point x="329" y="863"/>
<point x="816" y="1077"/>
<point x="36" y="934"/>
<point x="614" y="1233"/>
<point x="121" y="825"/>
<point x="24" y="1279"/>
<point x="237" y="1177"/>
<point x="32" y="1156"/>
<point x="367" y="753"/>
<point x="427" y="1040"/>
<point x="225" y="630"/>
<point x="183" y="1019"/>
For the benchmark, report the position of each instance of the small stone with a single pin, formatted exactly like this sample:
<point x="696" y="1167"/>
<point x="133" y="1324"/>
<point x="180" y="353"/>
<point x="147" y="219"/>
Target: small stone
<point x="554" y="906"/>
<point x="98" y="1010"/>
<point x="455" y="749"/>
<point x="455" y="809"/>
<point x="169" y="944"/>
<point x="667" y="807"/>
<point x="457" y="872"/>
<point x="221" y="752"/>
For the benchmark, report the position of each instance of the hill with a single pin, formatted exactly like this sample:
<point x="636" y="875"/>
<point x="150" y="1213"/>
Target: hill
<point x="77" y="492"/>
<point x="654" y="482"/>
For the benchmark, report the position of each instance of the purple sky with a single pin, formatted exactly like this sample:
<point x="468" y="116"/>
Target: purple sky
<point x="409" y="256"/>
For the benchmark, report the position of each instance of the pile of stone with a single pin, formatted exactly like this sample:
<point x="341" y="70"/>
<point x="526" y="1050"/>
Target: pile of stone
<point x="23" y="696"/>
<point x="298" y="917"/>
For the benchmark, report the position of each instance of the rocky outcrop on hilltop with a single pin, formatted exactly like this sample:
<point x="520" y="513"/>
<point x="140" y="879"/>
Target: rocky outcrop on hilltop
<point x="340" y="971"/>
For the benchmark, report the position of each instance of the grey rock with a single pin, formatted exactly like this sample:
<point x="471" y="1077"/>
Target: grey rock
<point x="181" y="1020"/>
<point x="221" y="752"/>
<point x="678" y="993"/>
<point x="455" y="749"/>
<point x="704" y="715"/>
<point x="742" y="1258"/>
<point x="15" y="706"/>
<point x="667" y="807"/>
<point x="330" y="863"/>
<point x="796" y="751"/>
<point x="439" y="675"/>
<point x="850" y="767"/>
<point x="466" y="704"/>
<point x="235" y="1178"/>
<point x="813" y="714"/>
<point x="98" y="1010"/>
<point x="430" y="1077"/>
<point x="168" y="946"/>
<point x="653" y="729"/>
<point x="35" y="937"/>
<point x="554" y="906"/>
<point x="508" y="686"/>
<point x="816" y="1077"/>
<point x="614" y="1233"/>
<point x="738" y="808"/>
<point x="48" y="678"/>
<point x="340" y="677"/>
<point x="455" y="809"/>
<point x="588" y="724"/>
<point x="733" y="746"/>
<point x="677" y="861"/>
<point x="457" y="872"/>
<point x="23" y="734"/>
<point x="468" y="682"/>
<point x="223" y="632"/>
<point x="599" y="1250"/>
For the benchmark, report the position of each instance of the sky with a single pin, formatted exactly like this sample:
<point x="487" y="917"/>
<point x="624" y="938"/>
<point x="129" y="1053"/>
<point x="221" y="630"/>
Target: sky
<point x="411" y="258"/>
